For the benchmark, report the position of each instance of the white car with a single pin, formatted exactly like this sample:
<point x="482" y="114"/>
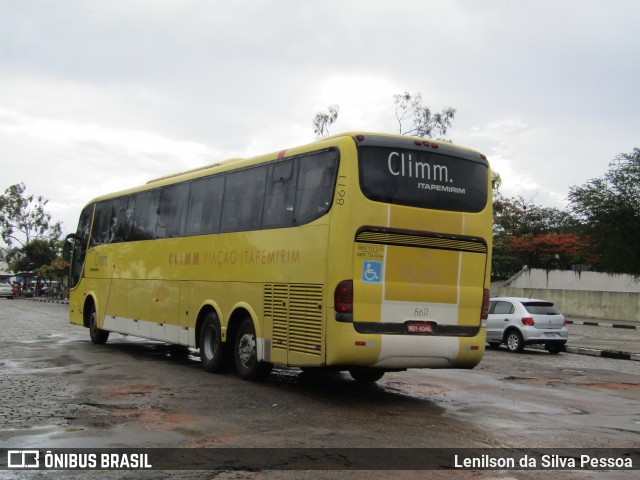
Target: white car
<point x="6" y="290"/>
<point x="517" y="322"/>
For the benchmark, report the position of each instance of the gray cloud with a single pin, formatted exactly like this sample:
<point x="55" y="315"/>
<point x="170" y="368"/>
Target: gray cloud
<point x="98" y="95"/>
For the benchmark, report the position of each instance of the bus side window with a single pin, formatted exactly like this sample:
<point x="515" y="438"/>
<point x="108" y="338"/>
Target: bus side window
<point x="102" y="224"/>
<point x="279" y="195"/>
<point x="243" y="198"/>
<point x="145" y="215"/>
<point x="205" y="205"/>
<point x="316" y="179"/>
<point x="172" y="211"/>
<point x="123" y="218"/>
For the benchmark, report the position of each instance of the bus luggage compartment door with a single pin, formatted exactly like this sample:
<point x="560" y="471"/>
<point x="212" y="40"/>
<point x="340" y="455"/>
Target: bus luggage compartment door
<point x="406" y="277"/>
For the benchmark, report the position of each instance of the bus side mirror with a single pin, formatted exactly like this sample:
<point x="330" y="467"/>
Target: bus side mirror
<point x="68" y="246"/>
<point x="66" y="251"/>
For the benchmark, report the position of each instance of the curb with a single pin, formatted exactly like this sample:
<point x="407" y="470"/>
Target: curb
<point x="594" y="352"/>
<point x="589" y="323"/>
<point x="604" y="353"/>
<point x="46" y="300"/>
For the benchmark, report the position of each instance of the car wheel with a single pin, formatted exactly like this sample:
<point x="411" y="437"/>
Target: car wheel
<point x="514" y="341"/>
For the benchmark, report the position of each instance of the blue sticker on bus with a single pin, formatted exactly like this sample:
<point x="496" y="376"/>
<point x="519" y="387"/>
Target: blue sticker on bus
<point x="372" y="272"/>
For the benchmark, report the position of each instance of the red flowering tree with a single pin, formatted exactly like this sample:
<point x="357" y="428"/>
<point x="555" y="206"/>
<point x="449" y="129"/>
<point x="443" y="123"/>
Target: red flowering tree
<point x="552" y="250"/>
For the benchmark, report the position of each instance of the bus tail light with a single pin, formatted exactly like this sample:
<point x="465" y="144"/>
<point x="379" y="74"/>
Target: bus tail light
<point x="343" y="297"/>
<point x="485" y="304"/>
<point x="527" y="321"/>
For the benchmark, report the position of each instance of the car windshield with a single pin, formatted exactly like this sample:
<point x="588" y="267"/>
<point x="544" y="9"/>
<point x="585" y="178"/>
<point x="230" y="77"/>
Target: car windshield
<point x="541" y="308"/>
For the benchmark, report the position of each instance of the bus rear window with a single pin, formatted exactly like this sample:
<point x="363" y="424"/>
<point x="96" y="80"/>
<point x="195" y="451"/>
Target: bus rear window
<point x="422" y="179"/>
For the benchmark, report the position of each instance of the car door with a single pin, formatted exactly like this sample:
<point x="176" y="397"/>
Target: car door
<point x="500" y="315"/>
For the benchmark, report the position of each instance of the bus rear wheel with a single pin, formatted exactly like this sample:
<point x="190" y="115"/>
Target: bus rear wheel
<point x="245" y="353"/>
<point x="366" y="375"/>
<point x="211" y="347"/>
<point x="98" y="336"/>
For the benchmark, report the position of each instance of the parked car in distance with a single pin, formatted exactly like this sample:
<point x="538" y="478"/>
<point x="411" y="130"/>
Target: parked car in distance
<point x="6" y="290"/>
<point x="517" y="322"/>
<point x="51" y="288"/>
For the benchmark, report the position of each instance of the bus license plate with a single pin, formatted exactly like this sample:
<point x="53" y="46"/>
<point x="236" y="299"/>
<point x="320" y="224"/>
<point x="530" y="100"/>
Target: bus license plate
<point x="419" y="327"/>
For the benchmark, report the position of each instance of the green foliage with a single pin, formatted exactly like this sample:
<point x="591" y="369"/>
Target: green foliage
<point x="31" y="238"/>
<point x="532" y="235"/>
<point x="609" y="207"/>
<point x="56" y="269"/>
<point x="32" y="256"/>
<point x="23" y="217"/>
<point x="516" y="217"/>
<point x="504" y="263"/>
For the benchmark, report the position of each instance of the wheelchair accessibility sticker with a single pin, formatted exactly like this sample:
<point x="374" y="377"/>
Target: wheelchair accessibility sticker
<point x="371" y="272"/>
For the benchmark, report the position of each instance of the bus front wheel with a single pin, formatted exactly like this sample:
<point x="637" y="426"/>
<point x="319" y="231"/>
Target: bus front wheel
<point x="211" y="346"/>
<point x="98" y="336"/>
<point x="245" y="353"/>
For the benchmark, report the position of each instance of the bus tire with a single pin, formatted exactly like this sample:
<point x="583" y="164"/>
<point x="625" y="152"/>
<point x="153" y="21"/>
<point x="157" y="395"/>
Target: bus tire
<point x="98" y="336"/>
<point x="245" y="353"/>
<point x="366" y="375"/>
<point x="212" y="353"/>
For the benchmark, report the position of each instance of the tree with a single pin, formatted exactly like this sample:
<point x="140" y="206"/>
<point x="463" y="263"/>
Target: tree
<point x="24" y="218"/>
<point x="27" y="230"/>
<point x="528" y="234"/>
<point x="422" y="121"/>
<point x="517" y="217"/>
<point x="323" y="120"/>
<point x="552" y="250"/>
<point x="32" y="256"/>
<point x="56" y="269"/>
<point x="609" y="207"/>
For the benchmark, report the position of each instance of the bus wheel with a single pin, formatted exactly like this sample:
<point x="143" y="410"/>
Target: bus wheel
<point x="245" y="353"/>
<point x="366" y="375"/>
<point x="211" y="346"/>
<point x="98" y="336"/>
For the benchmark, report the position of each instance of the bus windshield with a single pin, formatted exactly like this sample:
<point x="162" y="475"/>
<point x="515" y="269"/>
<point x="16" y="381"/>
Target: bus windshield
<point x="422" y="178"/>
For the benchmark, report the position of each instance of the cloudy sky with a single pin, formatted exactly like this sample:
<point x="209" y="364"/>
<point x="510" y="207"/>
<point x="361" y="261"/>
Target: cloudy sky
<point x="97" y="96"/>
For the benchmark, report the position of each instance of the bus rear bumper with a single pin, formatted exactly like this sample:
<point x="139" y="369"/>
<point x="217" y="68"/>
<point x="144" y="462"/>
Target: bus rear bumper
<point x="404" y="351"/>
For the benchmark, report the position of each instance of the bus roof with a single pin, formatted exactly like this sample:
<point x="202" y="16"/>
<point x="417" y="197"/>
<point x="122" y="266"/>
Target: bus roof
<point x="333" y="140"/>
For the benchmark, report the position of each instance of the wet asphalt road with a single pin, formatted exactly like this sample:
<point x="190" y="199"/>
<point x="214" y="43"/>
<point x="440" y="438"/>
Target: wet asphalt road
<point x="59" y="390"/>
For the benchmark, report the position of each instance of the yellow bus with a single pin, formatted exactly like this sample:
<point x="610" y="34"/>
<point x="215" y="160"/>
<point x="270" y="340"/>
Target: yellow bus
<point x="361" y="252"/>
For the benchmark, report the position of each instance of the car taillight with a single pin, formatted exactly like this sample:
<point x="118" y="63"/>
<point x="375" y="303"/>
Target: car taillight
<point x="564" y="322"/>
<point x="527" y="321"/>
<point x="343" y="297"/>
<point x="485" y="304"/>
